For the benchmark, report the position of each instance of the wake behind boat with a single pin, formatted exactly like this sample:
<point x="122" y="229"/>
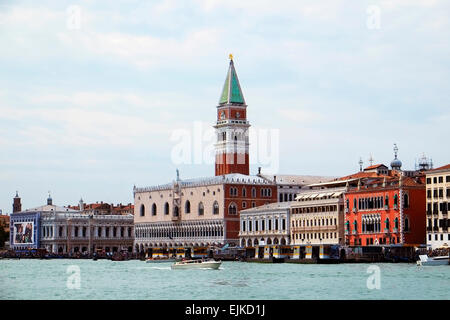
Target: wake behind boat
<point x="424" y="260"/>
<point x="197" y="264"/>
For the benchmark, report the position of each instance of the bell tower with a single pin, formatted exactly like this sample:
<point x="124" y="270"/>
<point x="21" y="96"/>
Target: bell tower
<point x="232" y="147"/>
<point x="17" y="205"/>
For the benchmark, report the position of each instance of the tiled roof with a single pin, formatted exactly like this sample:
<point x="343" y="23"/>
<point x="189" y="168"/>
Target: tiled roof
<point x="50" y="208"/>
<point x="270" y="206"/>
<point x="375" y="166"/>
<point x="296" y="179"/>
<point x="447" y="166"/>
<point x="361" y="175"/>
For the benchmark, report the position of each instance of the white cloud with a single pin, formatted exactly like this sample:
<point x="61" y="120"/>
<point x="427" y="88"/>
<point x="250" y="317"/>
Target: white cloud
<point x="145" y="51"/>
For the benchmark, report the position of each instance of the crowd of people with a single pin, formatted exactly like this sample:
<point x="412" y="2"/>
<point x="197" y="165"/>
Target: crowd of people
<point x="439" y="252"/>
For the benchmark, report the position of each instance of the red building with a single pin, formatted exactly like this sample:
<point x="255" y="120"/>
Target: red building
<point x="385" y="209"/>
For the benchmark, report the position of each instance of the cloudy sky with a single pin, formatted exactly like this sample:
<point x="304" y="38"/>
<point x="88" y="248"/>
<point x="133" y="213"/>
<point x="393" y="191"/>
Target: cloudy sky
<point x="94" y="94"/>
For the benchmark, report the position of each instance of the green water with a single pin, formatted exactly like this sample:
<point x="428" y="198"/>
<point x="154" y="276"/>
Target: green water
<point x="104" y="279"/>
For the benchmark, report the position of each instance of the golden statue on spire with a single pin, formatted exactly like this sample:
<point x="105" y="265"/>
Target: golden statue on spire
<point x="231" y="57"/>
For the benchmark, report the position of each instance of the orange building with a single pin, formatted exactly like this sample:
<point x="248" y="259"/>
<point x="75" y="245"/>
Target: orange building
<point x="386" y="209"/>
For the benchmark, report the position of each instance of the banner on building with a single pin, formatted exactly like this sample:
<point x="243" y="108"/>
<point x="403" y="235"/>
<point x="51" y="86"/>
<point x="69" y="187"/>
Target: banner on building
<point x="23" y="232"/>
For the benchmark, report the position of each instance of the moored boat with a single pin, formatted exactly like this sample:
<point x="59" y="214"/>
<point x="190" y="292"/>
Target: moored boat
<point x="424" y="260"/>
<point x="197" y="264"/>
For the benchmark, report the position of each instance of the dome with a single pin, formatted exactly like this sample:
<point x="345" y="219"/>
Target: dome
<point x="396" y="164"/>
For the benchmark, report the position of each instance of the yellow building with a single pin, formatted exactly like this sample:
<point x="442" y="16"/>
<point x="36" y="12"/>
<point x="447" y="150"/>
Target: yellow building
<point x="317" y="217"/>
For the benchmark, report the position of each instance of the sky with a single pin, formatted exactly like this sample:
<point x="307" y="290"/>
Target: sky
<point x="97" y="96"/>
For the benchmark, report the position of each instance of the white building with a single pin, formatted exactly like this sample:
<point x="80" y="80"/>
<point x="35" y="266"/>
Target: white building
<point x="265" y="225"/>
<point x="438" y="205"/>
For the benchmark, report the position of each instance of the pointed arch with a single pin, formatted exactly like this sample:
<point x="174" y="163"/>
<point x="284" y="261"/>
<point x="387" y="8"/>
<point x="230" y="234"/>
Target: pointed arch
<point x="232" y="209"/>
<point x="201" y="209"/>
<point x="166" y="208"/>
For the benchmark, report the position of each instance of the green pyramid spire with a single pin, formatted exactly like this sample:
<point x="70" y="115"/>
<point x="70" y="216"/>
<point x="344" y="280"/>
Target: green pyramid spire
<point x="231" y="92"/>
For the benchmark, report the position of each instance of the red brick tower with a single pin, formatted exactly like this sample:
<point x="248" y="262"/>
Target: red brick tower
<point x="17" y="205"/>
<point x="232" y="147"/>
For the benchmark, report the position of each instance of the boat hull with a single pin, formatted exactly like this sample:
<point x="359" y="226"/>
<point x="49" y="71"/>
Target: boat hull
<point x="437" y="261"/>
<point x="200" y="265"/>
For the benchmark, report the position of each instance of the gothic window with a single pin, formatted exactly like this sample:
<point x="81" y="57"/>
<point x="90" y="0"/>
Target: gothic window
<point x="187" y="207"/>
<point x="253" y="192"/>
<point x="244" y="192"/>
<point x="405" y="201"/>
<point x="216" y="207"/>
<point x="201" y="209"/>
<point x="406" y="224"/>
<point x="232" y="209"/>
<point x="154" y="209"/>
<point x="166" y="208"/>
<point x="142" y="210"/>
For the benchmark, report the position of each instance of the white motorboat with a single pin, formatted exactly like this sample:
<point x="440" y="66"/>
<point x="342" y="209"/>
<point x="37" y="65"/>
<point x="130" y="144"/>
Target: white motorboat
<point x="432" y="261"/>
<point x="197" y="264"/>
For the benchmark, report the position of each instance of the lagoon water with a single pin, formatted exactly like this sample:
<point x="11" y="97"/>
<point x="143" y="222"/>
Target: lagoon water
<point x="107" y="280"/>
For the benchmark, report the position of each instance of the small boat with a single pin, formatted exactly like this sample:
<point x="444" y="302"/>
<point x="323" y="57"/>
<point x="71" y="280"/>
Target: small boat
<point x="197" y="264"/>
<point x="432" y="261"/>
